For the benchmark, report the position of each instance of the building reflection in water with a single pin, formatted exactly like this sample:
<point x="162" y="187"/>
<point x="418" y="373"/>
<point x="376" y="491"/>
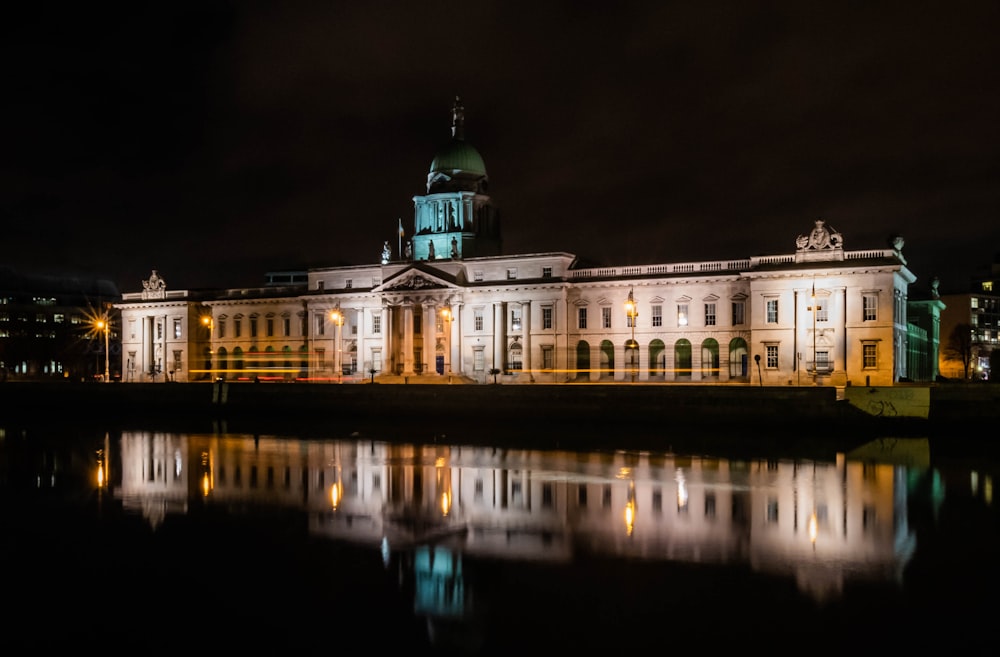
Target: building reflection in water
<point x="426" y="508"/>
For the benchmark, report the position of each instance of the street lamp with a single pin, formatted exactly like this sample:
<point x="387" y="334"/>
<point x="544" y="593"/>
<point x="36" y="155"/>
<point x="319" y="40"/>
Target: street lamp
<point x="104" y="324"/>
<point x="337" y="318"/>
<point x="209" y="324"/>
<point x="632" y="347"/>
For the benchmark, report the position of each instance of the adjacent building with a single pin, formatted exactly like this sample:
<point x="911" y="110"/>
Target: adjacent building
<point x="453" y="308"/>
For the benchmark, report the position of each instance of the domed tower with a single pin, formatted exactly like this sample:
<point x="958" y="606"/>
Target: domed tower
<point x="456" y="219"/>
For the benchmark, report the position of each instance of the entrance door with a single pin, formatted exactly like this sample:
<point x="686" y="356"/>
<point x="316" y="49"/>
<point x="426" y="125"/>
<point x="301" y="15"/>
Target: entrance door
<point x="439" y="364"/>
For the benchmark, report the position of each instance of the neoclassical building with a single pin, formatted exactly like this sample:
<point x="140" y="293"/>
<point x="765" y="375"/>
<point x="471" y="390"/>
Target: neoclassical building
<point x="453" y="308"/>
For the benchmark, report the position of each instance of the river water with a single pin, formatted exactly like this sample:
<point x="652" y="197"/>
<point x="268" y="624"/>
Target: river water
<point x="136" y="541"/>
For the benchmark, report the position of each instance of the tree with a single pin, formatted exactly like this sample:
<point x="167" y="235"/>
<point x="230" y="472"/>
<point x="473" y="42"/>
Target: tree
<point x="494" y="372"/>
<point x="959" y="346"/>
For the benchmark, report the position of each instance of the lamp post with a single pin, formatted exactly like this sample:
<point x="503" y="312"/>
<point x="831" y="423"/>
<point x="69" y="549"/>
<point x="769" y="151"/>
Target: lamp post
<point x="209" y="324"/>
<point x="632" y="348"/>
<point x="104" y="324"/>
<point x="337" y="318"/>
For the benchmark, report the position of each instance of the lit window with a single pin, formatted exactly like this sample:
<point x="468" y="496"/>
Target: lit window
<point x="515" y="320"/>
<point x="511" y="274"/>
<point x="772" y="311"/>
<point x="709" y="314"/>
<point x="870" y="307"/>
<point x="870" y="357"/>
<point x="822" y="361"/>
<point x="177" y="328"/>
<point x="682" y="314"/>
<point x="772" y="356"/>
<point x="606" y="317"/>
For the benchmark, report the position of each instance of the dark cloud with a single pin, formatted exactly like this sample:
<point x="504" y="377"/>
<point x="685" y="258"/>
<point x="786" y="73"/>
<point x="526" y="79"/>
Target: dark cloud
<point x="214" y="141"/>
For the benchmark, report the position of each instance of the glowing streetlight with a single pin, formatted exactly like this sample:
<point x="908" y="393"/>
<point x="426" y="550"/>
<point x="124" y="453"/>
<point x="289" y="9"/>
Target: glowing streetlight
<point x="632" y="347"/>
<point x="103" y="324"/>
<point x="337" y="318"/>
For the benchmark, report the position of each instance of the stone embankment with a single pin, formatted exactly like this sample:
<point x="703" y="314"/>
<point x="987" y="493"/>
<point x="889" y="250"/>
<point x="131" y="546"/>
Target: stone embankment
<point x="583" y="415"/>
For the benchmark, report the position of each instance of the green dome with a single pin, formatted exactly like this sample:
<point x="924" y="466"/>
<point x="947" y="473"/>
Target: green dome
<point x="458" y="156"/>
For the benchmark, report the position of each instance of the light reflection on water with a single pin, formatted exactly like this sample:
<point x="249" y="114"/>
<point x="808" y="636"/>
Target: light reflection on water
<point x="469" y="535"/>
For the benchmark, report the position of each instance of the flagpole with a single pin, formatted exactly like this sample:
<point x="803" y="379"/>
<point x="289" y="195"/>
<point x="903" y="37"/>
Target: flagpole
<point x="399" y="240"/>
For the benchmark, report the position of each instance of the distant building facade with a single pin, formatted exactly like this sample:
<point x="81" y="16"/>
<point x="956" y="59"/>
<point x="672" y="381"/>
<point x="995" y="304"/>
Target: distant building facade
<point x="48" y="326"/>
<point x="451" y="307"/>
<point x="977" y="312"/>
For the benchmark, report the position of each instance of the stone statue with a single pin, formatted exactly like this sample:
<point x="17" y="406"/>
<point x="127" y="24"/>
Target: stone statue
<point x="386" y="253"/>
<point x="409" y="250"/>
<point x="454" y="248"/>
<point x="430" y="250"/>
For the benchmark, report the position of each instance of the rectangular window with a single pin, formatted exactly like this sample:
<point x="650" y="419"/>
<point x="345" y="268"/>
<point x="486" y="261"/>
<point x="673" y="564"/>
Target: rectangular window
<point x="709" y="314"/>
<point x="303" y="326"/>
<point x="438" y="323"/>
<point x="870" y="356"/>
<point x="320" y="285"/>
<point x="581" y="318"/>
<point x="270" y="327"/>
<point x="870" y="307"/>
<point x="511" y="274"/>
<point x="131" y="329"/>
<point x="320" y="325"/>
<point x="630" y="321"/>
<point x="548" y="357"/>
<point x="159" y="330"/>
<point x="253" y="327"/>
<point x="682" y="314"/>
<point x="515" y="320"/>
<point x="477" y="319"/>
<point x="739" y="313"/>
<point x="377" y="324"/>
<point x="222" y="328"/>
<point x="606" y="317"/>
<point x="177" y="361"/>
<point x="546" y="318"/>
<point x="478" y="360"/>
<point x="772" y="356"/>
<point x="772" y="311"/>
<point x="546" y="272"/>
<point x="656" y="313"/>
<point x="821" y="310"/>
<point x="238" y="327"/>
<point x="822" y="361"/>
<point x="477" y="276"/>
<point x="177" y="328"/>
<point x="349" y="283"/>
<point x="286" y="326"/>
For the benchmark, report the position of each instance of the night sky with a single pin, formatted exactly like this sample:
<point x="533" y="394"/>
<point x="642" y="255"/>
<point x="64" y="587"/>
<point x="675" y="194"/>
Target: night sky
<point x="215" y="141"/>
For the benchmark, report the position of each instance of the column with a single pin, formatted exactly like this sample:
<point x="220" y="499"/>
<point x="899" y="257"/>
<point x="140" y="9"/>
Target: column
<point x="458" y="346"/>
<point x="526" y="360"/>
<point x="499" y="335"/>
<point x="407" y="341"/>
<point x="429" y="327"/>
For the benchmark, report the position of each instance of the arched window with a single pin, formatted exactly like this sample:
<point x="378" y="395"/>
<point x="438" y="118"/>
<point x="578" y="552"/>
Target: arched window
<point x="607" y="359"/>
<point x="223" y="360"/>
<point x="270" y="357"/>
<point x="739" y="361"/>
<point x="710" y="359"/>
<point x="582" y="359"/>
<point x="514" y="357"/>
<point x="682" y="359"/>
<point x="657" y="359"/>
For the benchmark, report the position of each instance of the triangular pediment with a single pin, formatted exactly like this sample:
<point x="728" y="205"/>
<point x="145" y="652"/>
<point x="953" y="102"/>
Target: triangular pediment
<point x="416" y="278"/>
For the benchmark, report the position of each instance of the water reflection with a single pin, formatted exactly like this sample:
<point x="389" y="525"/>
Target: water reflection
<point x="431" y="515"/>
<point x="820" y="523"/>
